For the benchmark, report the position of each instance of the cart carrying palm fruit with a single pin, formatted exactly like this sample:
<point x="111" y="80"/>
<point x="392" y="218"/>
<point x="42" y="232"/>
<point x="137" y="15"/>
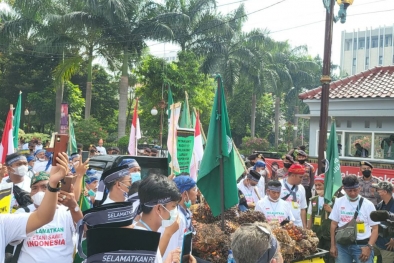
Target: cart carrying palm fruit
<point x="212" y="244"/>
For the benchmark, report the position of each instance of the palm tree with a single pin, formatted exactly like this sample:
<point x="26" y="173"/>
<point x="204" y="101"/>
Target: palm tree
<point x="286" y="67"/>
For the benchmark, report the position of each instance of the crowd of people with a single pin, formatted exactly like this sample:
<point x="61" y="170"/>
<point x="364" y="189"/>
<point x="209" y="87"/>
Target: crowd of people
<point x="47" y="219"/>
<point x="295" y="193"/>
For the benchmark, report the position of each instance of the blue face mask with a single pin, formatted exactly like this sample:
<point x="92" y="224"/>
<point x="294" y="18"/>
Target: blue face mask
<point x="188" y="204"/>
<point x="135" y="177"/>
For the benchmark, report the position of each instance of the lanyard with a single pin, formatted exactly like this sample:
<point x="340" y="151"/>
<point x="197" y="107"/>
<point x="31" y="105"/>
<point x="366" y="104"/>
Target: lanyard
<point x="147" y="227"/>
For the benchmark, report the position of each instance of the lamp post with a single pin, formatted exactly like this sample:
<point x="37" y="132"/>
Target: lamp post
<point x="28" y="113"/>
<point x="326" y="78"/>
<point x="162" y="105"/>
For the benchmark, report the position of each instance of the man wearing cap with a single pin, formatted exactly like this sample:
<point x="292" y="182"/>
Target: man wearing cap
<point x="41" y="161"/>
<point x="272" y="206"/>
<point x="287" y="162"/>
<point x="188" y="189"/>
<point x="308" y="179"/>
<point x="385" y="243"/>
<point x="100" y="148"/>
<point x="367" y="230"/>
<point x="92" y="151"/>
<point x="52" y="242"/>
<point x="255" y="243"/>
<point x="318" y="220"/>
<point x="366" y="182"/>
<point x="294" y="193"/>
<point x="256" y="157"/>
<point x="248" y="192"/>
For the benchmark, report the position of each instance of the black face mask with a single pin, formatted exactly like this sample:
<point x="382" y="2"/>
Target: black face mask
<point x="287" y="165"/>
<point x="367" y="173"/>
<point x="301" y="161"/>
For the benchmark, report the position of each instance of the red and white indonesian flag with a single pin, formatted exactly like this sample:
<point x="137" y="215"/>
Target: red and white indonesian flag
<point x="135" y="131"/>
<point x="172" y="136"/>
<point x="7" y="141"/>
<point x="198" y="150"/>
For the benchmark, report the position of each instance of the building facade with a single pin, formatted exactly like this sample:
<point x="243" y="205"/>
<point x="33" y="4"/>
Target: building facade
<point x="363" y="50"/>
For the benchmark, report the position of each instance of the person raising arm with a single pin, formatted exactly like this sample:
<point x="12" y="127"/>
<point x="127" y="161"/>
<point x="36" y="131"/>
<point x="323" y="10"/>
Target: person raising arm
<point x="15" y="226"/>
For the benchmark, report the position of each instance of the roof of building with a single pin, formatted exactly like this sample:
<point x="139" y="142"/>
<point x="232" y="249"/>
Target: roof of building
<point x="377" y="82"/>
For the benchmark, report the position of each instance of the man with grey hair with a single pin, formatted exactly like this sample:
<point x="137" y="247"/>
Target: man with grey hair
<point x="254" y="243"/>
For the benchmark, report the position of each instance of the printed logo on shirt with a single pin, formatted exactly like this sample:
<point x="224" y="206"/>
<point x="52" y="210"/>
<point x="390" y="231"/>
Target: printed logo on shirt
<point x="47" y="237"/>
<point x="280" y="216"/>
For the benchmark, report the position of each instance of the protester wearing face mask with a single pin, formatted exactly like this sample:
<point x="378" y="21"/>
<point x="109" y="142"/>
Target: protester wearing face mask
<point x="159" y="199"/>
<point x="318" y="220"/>
<point x="261" y="168"/>
<point x="55" y="239"/>
<point x="118" y="182"/>
<point x="134" y="169"/>
<point x="367" y="230"/>
<point x="91" y="180"/>
<point x="248" y="192"/>
<point x="17" y="168"/>
<point x="272" y="206"/>
<point x="30" y="162"/>
<point x="188" y="189"/>
<point x="41" y="161"/>
<point x="308" y="179"/>
<point x="287" y="162"/>
<point x="366" y="181"/>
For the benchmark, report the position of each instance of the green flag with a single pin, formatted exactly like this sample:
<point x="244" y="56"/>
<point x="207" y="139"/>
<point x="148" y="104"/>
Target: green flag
<point x="185" y="121"/>
<point x="72" y="144"/>
<point x="209" y="177"/>
<point x="333" y="178"/>
<point x="17" y="120"/>
<point x="170" y="101"/>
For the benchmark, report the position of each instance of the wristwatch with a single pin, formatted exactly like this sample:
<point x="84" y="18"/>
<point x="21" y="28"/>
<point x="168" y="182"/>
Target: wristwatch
<point x="370" y="246"/>
<point x="54" y="190"/>
<point x="76" y="209"/>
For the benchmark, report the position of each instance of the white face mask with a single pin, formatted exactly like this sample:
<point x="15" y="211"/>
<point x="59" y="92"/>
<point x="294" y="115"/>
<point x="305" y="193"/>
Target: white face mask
<point x="37" y="198"/>
<point x="41" y="159"/>
<point x="261" y="172"/>
<point x="21" y="170"/>
<point x="173" y="217"/>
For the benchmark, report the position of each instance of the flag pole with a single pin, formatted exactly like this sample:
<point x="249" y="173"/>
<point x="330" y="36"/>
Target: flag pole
<point x="219" y="121"/>
<point x="135" y="135"/>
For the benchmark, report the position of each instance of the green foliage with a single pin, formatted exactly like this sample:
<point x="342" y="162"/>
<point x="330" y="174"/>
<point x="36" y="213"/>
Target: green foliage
<point x="250" y="145"/>
<point x="124" y="141"/>
<point x="36" y="135"/>
<point x="89" y="131"/>
<point x="182" y="75"/>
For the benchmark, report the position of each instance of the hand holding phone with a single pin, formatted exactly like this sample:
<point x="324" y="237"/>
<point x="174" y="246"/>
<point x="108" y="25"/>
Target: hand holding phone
<point x="67" y="182"/>
<point x="59" y="144"/>
<point x="186" y="247"/>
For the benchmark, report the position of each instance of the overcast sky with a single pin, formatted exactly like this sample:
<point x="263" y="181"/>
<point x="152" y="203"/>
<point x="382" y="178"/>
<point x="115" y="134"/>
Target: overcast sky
<point x="302" y="22"/>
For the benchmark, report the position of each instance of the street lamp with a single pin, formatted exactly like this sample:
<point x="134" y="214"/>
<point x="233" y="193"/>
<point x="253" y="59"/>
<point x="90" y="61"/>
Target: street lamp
<point x="326" y="78"/>
<point x="295" y="128"/>
<point x="162" y="105"/>
<point x="28" y="113"/>
<point x="154" y="111"/>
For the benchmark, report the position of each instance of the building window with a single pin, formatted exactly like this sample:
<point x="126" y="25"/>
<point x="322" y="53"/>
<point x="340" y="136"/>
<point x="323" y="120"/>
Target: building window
<point x="383" y="147"/>
<point x="349" y="124"/>
<point x="348" y="44"/>
<point x="388" y="41"/>
<point x="367" y="61"/>
<point x="361" y="43"/>
<point x="366" y="124"/>
<point x="374" y="42"/>
<point x="379" y="124"/>
<point x="363" y="139"/>
<point x="380" y="60"/>
<point x="355" y="44"/>
<point x="354" y="62"/>
<point x="338" y="123"/>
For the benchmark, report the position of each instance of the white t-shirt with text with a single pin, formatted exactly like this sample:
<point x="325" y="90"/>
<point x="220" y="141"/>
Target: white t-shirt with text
<point x="343" y="212"/>
<point x="51" y="243"/>
<point x="297" y="205"/>
<point x="275" y="210"/>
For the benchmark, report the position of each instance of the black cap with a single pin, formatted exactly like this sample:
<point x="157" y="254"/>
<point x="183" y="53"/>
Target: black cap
<point x="289" y="158"/>
<point x="253" y="175"/>
<point x="366" y="163"/>
<point x="300" y="152"/>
